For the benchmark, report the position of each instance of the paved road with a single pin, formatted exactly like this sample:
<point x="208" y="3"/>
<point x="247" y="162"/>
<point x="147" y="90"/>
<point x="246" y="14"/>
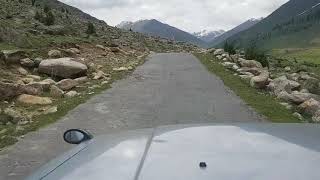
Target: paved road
<point x="167" y="89"/>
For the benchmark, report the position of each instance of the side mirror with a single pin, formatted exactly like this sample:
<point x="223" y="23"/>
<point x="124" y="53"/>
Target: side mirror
<point x="76" y="136"/>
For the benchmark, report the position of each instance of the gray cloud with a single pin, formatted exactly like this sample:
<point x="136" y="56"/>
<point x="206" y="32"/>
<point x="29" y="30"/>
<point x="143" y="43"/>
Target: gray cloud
<point x="189" y="15"/>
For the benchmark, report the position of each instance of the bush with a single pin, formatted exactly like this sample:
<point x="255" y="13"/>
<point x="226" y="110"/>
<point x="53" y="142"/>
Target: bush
<point x="49" y="20"/>
<point x="91" y="29"/>
<point x="252" y="53"/>
<point x="229" y="47"/>
<point x="38" y="16"/>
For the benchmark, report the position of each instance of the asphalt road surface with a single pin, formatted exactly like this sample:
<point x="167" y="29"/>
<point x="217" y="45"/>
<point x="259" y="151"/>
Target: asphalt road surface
<point x="167" y="89"/>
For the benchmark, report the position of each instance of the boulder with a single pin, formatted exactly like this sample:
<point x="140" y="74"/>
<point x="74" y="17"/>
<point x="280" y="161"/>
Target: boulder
<point x="37" y="61"/>
<point x="22" y="71"/>
<point x="54" y="54"/>
<point x="26" y="62"/>
<point x="12" y="56"/>
<point x="56" y="92"/>
<point x="281" y="84"/>
<point x="298" y="97"/>
<point x="13" y="115"/>
<point x="71" y="94"/>
<point x="99" y="75"/>
<point x="260" y="81"/>
<point x="100" y="47"/>
<point x="298" y="116"/>
<point x="310" y="106"/>
<point x="50" y="81"/>
<point x="82" y="80"/>
<point x="67" y="84"/>
<point x="228" y="64"/>
<point x="27" y="80"/>
<point x="254" y="71"/>
<point x="120" y="69"/>
<point x="312" y="85"/>
<point x="219" y="57"/>
<point x="72" y="51"/>
<point x="218" y="52"/>
<point x="10" y="90"/>
<point x="63" y="67"/>
<point x="33" y="89"/>
<point x="114" y="49"/>
<point x="234" y="58"/>
<point x="249" y="63"/>
<point x="287" y="69"/>
<point x="34" y="77"/>
<point x="33" y="100"/>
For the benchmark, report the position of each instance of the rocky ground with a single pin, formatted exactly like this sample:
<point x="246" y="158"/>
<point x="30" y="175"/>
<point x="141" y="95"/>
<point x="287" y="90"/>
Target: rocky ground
<point x="297" y="89"/>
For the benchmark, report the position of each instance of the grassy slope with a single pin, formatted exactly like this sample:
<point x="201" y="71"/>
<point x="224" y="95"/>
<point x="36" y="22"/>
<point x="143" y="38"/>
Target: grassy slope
<point x="259" y="100"/>
<point x="311" y="55"/>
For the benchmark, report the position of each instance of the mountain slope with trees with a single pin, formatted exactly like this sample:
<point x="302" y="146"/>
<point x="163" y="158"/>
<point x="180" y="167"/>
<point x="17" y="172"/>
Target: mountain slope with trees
<point x="294" y="24"/>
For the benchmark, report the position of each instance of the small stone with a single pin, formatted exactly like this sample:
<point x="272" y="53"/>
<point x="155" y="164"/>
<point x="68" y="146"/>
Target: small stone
<point x="287" y="69"/>
<point x="55" y="54"/>
<point x="67" y="84"/>
<point x="71" y="94"/>
<point x="104" y="83"/>
<point x="120" y="69"/>
<point x="26" y="62"/>
<point x="298" y="116"/>
<point x="34" y="77"/>
<point x="22" y="71"/>
<point x="99" y="75"/>
<point x="51" y="110"/>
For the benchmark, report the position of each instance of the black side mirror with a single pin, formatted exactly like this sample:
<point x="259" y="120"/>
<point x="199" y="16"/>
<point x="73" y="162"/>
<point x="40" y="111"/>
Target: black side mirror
<point x="76" y="136"/>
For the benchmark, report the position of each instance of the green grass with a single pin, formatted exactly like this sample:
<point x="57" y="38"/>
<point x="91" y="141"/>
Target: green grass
<point x="309" y="55"/>
<point x="261" y="101"/>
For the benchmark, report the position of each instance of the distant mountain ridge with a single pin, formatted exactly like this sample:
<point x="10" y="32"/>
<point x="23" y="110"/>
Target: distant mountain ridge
<point x="244" y="26"/>
<point x="294" y="24"/>
<point x="208" y="36"/>
<point x="156" y="28"/>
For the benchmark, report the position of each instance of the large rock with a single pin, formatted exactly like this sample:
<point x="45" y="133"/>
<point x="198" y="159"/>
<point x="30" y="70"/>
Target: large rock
<point x="26" y="62"/>
<point x="33" y="100"/>
<point x="316" y="117"/>
<point x="82" y="80"/>
<point x="71" y="94"/>
<point x="67" y="84"/>
<point x="260" y="81"/>
<point x="10" y="90"/>
<point x="12" y="56"/>
<point x="249" y="63"/>
<point x="296" y="97"/>
<point x="312" y="85"/>
<point x="218" y="52"/>
<point x="56" y="92"/>
<point x="310" y="106"/>
<point x="54" y="54"/>
<point x="63" y="67"/>
<point x="254" y="71"/>
<point x="283" y="84"/>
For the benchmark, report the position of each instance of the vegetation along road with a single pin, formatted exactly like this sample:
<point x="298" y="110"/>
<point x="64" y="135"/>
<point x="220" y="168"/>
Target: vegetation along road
<point x="167" y="89"/>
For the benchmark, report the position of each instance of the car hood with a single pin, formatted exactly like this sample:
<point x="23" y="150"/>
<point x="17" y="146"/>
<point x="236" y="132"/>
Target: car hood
<point x="236" y="151"/>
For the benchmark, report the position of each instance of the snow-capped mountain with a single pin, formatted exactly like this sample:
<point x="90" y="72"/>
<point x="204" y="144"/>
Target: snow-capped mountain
<point x="208" y="36"/>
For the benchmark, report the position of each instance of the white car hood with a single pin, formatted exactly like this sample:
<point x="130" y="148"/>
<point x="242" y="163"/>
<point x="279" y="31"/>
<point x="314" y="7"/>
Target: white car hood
<point x="239" y="151"/>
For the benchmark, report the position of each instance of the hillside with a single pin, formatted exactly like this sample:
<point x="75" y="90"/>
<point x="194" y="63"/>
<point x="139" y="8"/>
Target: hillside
<point x="158" y="29"/>
<point x="208" y="36"/>
<point x="237" y="29"/>
<point x="294" y="24"/>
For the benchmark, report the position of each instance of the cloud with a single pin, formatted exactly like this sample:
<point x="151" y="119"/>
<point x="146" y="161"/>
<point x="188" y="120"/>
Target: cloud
<point x="189" y="15"/>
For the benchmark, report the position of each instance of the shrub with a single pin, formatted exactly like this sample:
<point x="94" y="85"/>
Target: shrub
<point x="253" y="53"/>
<point x="91" y="29"/>
<point x="49" y="20"/>
<point x="229" y="47"/>
<point x="38" y="16"/>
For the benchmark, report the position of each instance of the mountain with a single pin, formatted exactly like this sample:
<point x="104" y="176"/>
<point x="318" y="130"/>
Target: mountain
<point x="294" y="24"/>
<point x="244" y="26"/>
<point x="155" y="28"/>
<point x="208" y="36"/>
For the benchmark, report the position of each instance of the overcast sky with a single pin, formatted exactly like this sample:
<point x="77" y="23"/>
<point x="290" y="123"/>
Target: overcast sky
<point x="188" y="15"/>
